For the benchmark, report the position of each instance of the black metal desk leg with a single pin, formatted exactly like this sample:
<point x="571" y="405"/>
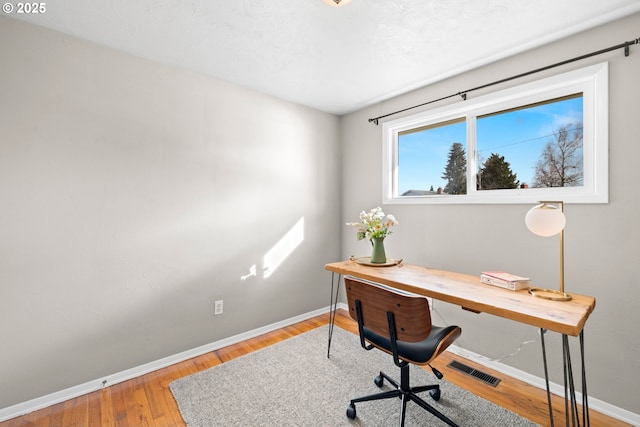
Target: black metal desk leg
<point x="569" y="388"/>
<point x="575" y="415"/>
<point x="570" y="401"/>
<point x="333" y="307"/>
<point x="585" y="396"/>
<point x="546" y="375"/>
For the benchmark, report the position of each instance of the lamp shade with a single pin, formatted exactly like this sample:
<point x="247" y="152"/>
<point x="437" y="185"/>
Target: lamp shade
<point x="545" y="220"/>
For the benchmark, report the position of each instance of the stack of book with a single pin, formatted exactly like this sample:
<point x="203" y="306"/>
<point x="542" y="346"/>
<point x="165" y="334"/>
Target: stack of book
<point x="504" y="280"/>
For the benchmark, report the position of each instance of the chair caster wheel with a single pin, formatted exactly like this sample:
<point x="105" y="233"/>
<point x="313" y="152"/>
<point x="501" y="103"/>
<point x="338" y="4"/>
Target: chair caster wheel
<point x="379" y="380"/>
<point x="435" y="394"/>
<point x="351" y="411"/>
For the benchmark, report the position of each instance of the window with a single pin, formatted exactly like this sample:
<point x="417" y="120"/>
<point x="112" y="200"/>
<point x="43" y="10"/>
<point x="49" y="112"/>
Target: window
<point x="422" y="152"/>
<point x="546" y="140"/>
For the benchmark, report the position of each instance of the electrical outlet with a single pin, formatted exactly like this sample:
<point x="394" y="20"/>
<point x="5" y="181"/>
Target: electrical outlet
<point x="217" y="307"/>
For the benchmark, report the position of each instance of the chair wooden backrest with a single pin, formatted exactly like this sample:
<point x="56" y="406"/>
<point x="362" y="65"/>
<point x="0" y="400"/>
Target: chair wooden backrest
<point x="411" y="312"/>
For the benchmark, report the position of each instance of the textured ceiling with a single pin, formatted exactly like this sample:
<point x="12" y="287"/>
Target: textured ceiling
<point x="336" y="59"/>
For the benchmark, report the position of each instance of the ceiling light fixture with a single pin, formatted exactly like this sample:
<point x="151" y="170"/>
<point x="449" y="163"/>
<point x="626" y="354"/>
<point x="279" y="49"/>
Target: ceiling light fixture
<point x="336" y="2"/>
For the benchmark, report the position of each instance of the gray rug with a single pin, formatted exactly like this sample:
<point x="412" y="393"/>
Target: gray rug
<point x="292" y="383"/>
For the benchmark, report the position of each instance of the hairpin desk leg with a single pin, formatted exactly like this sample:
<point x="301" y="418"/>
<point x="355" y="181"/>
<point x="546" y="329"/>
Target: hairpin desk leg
<point x="569" y="387"/>
<point x="546" y="375"/>
<point x="585" y="396"/>
<point x="333" y="305"/>
<point x="575" y="415"/>
<point x="570" y="401"/>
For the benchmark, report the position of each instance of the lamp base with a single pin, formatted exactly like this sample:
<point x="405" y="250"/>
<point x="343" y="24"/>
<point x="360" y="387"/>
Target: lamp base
<point x="549" y="294"/>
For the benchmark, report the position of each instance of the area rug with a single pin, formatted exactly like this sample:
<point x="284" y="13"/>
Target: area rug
<point x="293" y="383"/>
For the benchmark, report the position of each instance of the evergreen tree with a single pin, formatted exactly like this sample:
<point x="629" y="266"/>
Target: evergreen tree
<point x="560" y="164"/>
<point x="496" y="174"/>
<point x="455" y="173"/>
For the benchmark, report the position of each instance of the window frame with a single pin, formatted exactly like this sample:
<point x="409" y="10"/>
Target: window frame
<point x="591" y="81"/>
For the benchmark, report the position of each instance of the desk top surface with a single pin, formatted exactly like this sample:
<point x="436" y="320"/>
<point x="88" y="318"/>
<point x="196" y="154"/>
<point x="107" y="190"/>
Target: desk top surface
<point x="566" y="317"/>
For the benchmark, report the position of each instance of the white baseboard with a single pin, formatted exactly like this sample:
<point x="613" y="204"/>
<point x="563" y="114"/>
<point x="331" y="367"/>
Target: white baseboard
<point x="91" y="386"/>
<point x="595" y="404"/>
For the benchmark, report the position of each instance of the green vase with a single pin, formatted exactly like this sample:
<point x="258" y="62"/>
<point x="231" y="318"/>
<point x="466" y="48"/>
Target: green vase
<point x="378" y="255"/>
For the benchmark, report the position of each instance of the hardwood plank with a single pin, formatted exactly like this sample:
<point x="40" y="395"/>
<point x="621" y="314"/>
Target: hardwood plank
<point x="138" y="404"/>
<point x="154" y="391"/>
<point x="120" y="410"/>
<point x="147" y="400"/>
<point x="94" y="409"/>
<point x="75" y="412"/>
<point x="107" y="418"/>
<point x="57" y="414"/>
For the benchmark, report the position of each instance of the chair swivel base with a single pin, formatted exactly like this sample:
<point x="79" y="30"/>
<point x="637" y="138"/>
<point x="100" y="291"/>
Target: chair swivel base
<point x="406" y="393"/>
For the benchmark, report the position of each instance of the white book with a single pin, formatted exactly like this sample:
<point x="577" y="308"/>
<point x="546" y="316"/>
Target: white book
<point x="504" y="280"/>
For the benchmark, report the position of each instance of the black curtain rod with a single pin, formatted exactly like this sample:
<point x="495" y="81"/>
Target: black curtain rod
<point x="463" y="94"/>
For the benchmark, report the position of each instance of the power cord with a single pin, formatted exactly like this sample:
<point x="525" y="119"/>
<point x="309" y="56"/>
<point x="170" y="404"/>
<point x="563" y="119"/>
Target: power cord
<point x="500" y="359"/>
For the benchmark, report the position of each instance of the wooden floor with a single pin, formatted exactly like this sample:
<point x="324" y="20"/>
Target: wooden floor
<point x="147" y="400"/>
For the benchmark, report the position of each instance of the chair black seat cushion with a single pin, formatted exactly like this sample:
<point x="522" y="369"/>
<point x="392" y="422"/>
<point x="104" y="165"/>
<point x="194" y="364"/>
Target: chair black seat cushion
<point x="419" y="352"/>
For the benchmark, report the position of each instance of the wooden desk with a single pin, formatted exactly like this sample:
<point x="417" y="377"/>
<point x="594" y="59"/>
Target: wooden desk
<point x="565" y="317"/>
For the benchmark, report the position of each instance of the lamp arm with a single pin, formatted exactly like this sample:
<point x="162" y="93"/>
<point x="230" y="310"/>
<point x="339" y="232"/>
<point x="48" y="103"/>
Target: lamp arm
<point x="562" y="261"/>
<point x="561" y="204"/>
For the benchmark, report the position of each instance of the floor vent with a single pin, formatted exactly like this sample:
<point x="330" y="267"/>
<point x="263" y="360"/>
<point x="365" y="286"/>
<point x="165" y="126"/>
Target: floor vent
<point x="482" y="376"/>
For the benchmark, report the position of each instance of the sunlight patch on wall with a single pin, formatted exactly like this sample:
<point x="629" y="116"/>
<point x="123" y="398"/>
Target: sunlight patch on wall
<point x="285" y="246"/>
<point x="251" y="273"/>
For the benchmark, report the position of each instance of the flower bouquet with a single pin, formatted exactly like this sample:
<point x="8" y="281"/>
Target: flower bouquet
<point x="375" y="226"/>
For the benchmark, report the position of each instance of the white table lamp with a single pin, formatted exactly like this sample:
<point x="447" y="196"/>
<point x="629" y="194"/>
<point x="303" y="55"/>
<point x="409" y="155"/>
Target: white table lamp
<point x="547" y="220"/>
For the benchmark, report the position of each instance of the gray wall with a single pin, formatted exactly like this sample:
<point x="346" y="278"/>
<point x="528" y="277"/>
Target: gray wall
<point x="133" y="195"/>
<point x="602" y="241"/>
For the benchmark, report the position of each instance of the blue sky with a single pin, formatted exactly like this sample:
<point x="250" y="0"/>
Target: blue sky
<point x="519" y="136"/>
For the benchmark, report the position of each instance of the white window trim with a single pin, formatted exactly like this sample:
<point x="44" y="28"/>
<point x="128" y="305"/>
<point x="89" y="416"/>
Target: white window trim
<point x="592" y="81"/>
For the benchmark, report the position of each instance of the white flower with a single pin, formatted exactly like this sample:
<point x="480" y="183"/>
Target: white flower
<point x="391" y="221"/>
<point x="373" y="224"/>
<point x="359" y="226"/>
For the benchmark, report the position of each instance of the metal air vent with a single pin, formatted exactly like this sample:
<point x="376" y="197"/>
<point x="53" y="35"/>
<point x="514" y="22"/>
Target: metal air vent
<point x="479" y="375"/>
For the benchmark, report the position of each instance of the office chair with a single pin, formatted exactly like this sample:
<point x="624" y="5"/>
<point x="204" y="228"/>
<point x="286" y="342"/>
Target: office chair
<point x="398" y="323"/>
